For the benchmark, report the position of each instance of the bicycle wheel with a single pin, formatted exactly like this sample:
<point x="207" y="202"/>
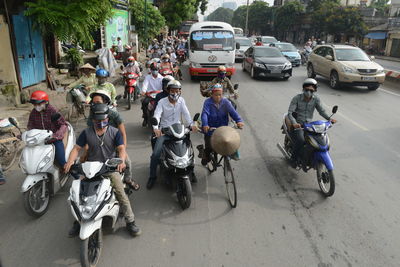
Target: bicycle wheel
<point x="230" y="183"/>
<point x="8" y="151"/>
<point x="212" y="164"/>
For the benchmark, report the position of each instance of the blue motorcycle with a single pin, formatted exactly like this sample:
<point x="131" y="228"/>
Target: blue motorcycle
<point x="315" y="152"/>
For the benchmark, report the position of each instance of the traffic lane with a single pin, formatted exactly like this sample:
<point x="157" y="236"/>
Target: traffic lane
<point x="388" y="65"/>
<point x="346" y="203"/>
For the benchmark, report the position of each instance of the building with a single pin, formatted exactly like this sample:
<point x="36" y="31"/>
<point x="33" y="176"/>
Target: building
<point x="395" y="8"/>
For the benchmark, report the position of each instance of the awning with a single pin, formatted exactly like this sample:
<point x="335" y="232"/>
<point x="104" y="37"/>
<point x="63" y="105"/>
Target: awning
<point x="376" y="35"/>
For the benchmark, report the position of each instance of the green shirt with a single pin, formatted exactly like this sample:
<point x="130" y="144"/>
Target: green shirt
<point x="114" y="119"/>
<point x="305" y="109"/>
<point x="108" y="87"/>
<point x="88" y="81"/>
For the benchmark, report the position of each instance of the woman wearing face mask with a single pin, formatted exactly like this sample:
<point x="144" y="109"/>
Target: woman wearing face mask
<point x="304" y="105"/>
<point x="222" y="80"/>
<point x="102" y="84"/>
<point x="40" y="118"/>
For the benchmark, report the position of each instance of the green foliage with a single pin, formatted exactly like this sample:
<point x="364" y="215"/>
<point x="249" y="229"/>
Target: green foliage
<point x="381" y="6"/>
<point x="221" y="14"/>
<point x="74" y="58"/>
<point x="347" y="20"/>
<point x="239" y="17"/>
<point x="155" y="21"/>
<point x="72" y="20"/>
<point x="318" y="17"/>
<point x="288" y="15"/>
<point x="315" y="5"/>
<point x="177" y="11"/>
<point x="260" y="17"/>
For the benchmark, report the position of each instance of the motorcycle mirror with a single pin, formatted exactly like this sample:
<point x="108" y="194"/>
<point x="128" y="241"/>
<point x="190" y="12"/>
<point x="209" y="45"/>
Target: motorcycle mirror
<point x="294" y="114"/>
<point x="55" y="117"/>
<point x="13" y="121"/>
<point x="154" y="121"/>
<point x="196" y="116"/>
<point x="236" y="86"/>
<point x="335" y="109"/>
<point x="121" y="67"/>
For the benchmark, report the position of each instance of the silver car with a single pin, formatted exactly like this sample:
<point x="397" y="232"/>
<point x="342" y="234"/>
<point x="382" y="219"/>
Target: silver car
<point x="245" y="43"/>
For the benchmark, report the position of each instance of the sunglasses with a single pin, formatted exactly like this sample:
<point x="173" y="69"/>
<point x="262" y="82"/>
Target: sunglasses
<point x="309" y="90"/>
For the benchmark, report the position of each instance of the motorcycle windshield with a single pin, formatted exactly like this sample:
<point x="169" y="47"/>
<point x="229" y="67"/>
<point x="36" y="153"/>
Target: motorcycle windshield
<point x="179" y="148"/>
<point x="317" y="126"/>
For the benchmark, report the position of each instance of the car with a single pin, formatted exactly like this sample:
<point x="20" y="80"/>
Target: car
<point x="245" y="43"/>
<point x="265" y="61"/>
<point x="345" y="65"/>
<point x="289" y="51"/>
<point x="266" y="40"/>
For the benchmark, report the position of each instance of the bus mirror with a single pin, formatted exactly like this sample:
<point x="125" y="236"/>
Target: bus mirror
<point x="237" y="46"/>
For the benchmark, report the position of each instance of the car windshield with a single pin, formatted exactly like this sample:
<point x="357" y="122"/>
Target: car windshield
<point x="212" y="40"/>
<point x="286" y="47"/>
<point x="243" y="42"/>
<point x="267" y="52"/>
<point x="351" y="55"/>
<point x="267" y="40"/>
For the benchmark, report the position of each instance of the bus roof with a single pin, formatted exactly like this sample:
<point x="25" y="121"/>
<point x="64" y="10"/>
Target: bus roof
<point x="211" y="25"/>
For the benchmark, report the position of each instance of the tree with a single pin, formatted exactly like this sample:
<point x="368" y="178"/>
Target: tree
<point x="260" y="17"/>
<point x="346" y="20"/>
<point x="155" y="21"/>
<point x="315" y="5"/>
<point x="319" y="15"/>
<point x="239" y="17"/>
<point x="176" y="11"/>
<point x="69" y="20"/>
<point x="287" y="16"/>
<point x="221" y="14"/>
<point x="381" y="6"/>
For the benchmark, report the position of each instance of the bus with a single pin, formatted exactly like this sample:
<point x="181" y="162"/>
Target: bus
<point x="185" y="28"/>
<point x="211" y="44"/>
<point x="238" y="32"/>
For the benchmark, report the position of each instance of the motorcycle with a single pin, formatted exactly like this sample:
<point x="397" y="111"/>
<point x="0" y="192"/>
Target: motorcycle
<point x="166" y="71"/>
<point x="131" y="90"/>
<point x="92" y="201"/>
<point x="305" y="53"/>
<point x="152" y="103"/>
<point x="177" y="160"/>
<point x="44" y="178"/>
<point x="316" y="151"/>
<point x="181" y="56"/>
<point x="77" y="96"/>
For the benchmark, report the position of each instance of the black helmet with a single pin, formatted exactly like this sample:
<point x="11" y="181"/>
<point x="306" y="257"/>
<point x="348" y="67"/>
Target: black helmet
<point x="166" y="80"/>
<point x="312" y="82"/>
<point x="99" y="111"/>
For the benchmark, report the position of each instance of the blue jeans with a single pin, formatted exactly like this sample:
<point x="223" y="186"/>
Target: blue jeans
<point x="60" y="152"/>
<point x="155" y="157"/>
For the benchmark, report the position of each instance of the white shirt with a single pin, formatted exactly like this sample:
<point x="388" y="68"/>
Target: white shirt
<point x="120" y="46"/>
<point x="167" y="113"/>
<point x="173" y="58"/>
<point x="152" y="84"/>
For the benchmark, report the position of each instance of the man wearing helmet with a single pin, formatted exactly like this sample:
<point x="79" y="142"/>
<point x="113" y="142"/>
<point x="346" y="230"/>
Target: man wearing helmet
<point x="165" y="91"/>
<point x="223" y="80"/>
<point x="41" y="118"/>
<point x="216" y="112"/>
<point x="104" y="142"/>
<point x="152" y="82"/>
<point x="304" y="105"/>
<point x="165" y="63"/>
<point x="132" y="66"/>
<point x="169" y="110"/>
<point x="102" y="84"/>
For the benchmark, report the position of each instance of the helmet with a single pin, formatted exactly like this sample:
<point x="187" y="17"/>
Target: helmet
<point x="216" y="87"/>
<point x="153" y="66"/>
<point x="99" y="111"/>
<point x="221" y="69"/>
<point x="166" y="80"/>
<point x="165" y="56"/>
<point x="101" y="73"/>
<point x="131" y="59"/>
<point x="174" y="84"/>
<point x="38" y="97"/>
<point x="310" y="81"/>
<point x="104" y="94"/>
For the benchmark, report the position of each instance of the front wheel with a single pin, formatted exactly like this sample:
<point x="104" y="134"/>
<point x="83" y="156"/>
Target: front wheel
<point x="334" y="80"/>
<point x="91" y="249"/>
<point x="310" y="71"/>
<point x="128" y="97"/>
<point x="37" y="199"/>
<point x="230" y="183"/>
<point x="326" y="180"/>
<point x="184" y="193"/>
<point x="252" y="73"/>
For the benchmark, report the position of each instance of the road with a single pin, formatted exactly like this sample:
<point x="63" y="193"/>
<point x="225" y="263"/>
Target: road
<point x="281" y="218"/>
<point x="389" y="65"/>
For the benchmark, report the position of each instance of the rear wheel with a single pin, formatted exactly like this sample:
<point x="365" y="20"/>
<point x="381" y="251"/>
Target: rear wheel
<point x="8" y="151"/>
<point x="243" y="67"/>
<point x="37" y="199"/>
<point x="184" y="193"/>
<point x="310" y="71"/>
<point x="135" y="94"/>
<point x="230" y="183"/>
<point x="334" y="80"/>
<point x="91" y="249"/>
<point x="212" y="164"/>
<point x="326" y="180"/>
<point x="128" y="97"/>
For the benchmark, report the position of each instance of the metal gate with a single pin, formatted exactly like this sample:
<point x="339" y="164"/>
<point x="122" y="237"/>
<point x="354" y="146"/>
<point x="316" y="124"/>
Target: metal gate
<point x="30" y="52"/>
<point x="395" y="51"/>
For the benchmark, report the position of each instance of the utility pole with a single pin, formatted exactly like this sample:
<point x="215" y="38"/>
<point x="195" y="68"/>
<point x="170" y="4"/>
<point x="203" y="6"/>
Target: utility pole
<point x="246" y="30"/>
<point x="145" y="25"/>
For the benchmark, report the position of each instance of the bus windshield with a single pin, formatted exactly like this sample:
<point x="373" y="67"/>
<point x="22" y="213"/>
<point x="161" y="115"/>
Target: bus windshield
<point x="238" y="31"/>
<point x="212" y="40"/>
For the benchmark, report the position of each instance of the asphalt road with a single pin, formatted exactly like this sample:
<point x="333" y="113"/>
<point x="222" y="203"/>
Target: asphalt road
<point x="388" y="65"/>
<point x="281" y="218"/>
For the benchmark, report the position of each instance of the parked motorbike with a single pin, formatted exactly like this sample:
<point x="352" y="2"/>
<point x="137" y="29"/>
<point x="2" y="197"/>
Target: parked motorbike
<point x="92" y="201"/>
<point x="177" y="160"/>
<point x="44" y="177"/>
<point x="315" y="152"/>
<point x="131" y="89"/>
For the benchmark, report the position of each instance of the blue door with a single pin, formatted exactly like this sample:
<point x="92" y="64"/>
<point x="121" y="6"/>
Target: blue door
<point x="29" y="51"/>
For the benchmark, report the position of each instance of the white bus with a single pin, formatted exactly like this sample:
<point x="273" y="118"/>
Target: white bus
<point x="211" y="44"/>
<point x="238" y="31"/>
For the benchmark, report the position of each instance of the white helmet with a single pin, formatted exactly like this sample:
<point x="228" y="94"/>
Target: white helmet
<point x="174" y="84"/>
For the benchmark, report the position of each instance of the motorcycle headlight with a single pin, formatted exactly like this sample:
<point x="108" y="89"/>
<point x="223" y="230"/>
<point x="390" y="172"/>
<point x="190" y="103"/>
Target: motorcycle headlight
<point x="31" y="141"/>
<point x="347" y="69"/>
<point x="88" y="206"/>
<point x="287" y="66"/>
<point x="46" y="159"/>
<point x="182" y="163"/>
<point x="259" y="65"/>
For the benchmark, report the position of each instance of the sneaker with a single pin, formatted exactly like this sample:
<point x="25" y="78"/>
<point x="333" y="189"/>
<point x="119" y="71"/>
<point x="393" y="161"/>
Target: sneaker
<point x="133" y="229"/>
<point x="151" y="182"/>
<point x="74" y="231"/>
<point x="144" y="123"/>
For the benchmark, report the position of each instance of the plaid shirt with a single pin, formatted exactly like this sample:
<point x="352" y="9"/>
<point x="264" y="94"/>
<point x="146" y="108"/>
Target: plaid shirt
<point x="42" y="120"/>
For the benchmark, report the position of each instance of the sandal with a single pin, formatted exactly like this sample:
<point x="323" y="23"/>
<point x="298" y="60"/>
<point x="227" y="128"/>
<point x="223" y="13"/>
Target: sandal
<point x="135" y="186"/>
<point x="2" y="181"/>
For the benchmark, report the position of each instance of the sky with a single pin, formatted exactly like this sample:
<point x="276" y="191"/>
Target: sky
<point x="214" y="4"/>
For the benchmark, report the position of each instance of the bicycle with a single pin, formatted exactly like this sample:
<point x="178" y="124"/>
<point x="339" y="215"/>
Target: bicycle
<point x="9" y="145"/>
<point x="78" y="106"/>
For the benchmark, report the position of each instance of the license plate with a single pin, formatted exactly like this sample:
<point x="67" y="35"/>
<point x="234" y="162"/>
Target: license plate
<point x="368" y="78"/>
<point x="211" y="71"/>
<point x="276" y="71"/>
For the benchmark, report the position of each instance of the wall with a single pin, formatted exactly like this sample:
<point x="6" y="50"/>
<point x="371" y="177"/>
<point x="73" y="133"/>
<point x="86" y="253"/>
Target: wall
<point x="8" y="77"/>
<point x="117" y="27"/>
<point x="393" y="35"/>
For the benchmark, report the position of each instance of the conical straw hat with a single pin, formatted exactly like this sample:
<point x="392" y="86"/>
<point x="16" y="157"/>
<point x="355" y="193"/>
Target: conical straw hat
<point x="225" y="140"/>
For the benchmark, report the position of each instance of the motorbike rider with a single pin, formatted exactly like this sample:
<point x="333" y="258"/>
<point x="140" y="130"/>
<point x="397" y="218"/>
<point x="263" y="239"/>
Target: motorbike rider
<point x="166" y="63"/>
<point x="41" y="118"/>
<point x="88" y="78"/>
<point x="165" y="91"/>
<point x="131" y="67"/>
<point x="104" y="142"/>
<point x="169" y="111"/>
<point x="258" y="42"/>
<point x="222" y="80"/>
<point x="216" y="112"/>
<point x="116" y="121"/>
<point x="304" y="105"/>
<point x="102" y="84"/>
<point x="152" y="82"/>
<point x="173" y="60"/>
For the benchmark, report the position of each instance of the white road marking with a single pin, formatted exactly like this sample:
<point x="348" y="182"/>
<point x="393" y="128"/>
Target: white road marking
<point x="353" y="122"/>
<point x="389" y="92"/>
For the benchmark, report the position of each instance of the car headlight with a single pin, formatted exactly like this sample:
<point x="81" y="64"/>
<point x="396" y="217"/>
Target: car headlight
<point x="229" y="65"/>
<point x="287" y="66"/>
<point x="46" y="159"/>
<point x="259" y="65"/>
<point x="195" y="65"/>
<point x="379" y="71"/>
<point x="348" y="69"/>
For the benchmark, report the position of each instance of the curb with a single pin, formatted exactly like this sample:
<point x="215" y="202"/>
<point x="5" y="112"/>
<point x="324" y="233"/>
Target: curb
<point x="392" y="75"/>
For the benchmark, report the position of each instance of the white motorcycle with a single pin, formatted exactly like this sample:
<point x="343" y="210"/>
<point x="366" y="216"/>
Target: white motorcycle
<point x="44" y="178"/>
<point x="92" y="199"/>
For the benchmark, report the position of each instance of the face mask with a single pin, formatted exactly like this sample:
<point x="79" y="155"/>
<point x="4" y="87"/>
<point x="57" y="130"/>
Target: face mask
<point x="154" y="72"/>
<point x="40" y="107"/>
<point x="130" y="64"/>
<point x="165" y="60"/>
<point x="221" y="75"/>
<point x="308" y="94"/>
<point x="101" y="81"/>
<point x="174" y="96"/>
<point x="101" y="124"/>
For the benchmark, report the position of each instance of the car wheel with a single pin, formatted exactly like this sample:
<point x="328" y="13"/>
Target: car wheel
<point x="310" y="71"/>
<point x="373" y="87"/>
<point x="252" y="73"/>
<point x="334" y="80"/>
<point x="243" y="67"/>
<point x="286" y="78"/>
